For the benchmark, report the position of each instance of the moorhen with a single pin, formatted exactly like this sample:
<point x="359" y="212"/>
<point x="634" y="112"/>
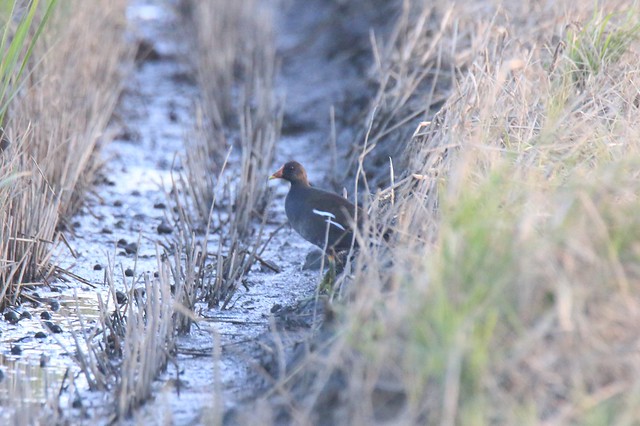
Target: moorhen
<point x="311" y="210"/>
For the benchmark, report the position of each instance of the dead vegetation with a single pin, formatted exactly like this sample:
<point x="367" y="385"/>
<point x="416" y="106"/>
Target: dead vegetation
<point x="57" y="98"/>
<point x="236" y="68"/>
<point x="509" y="292"/>
<point x="54" y="122"/>
<point x="135" y="338"/>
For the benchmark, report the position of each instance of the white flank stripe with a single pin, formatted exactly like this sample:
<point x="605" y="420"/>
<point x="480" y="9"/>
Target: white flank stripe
<point x="336" y="224"/>
<point x="325" y="214"/>
<point x="329" y="216"/>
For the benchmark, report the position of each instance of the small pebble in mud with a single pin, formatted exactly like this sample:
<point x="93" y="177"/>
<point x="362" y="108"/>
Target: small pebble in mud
<point x="40" y="335"/>
<point x="117" y="203"/>
<point x="128" y="272"/>
<point x="121" y="242"/>
<point x="109" y="182"/>
<point x="54" y="328"/>
<point x="76" y="225"/>
<point x="146" y="51"/>
<point x="159" y="206"/>
<point x="44" y="360"/>
<point x="276" y="308"/>
<point x="138" y="293"/>
<point x="120" y="224"/>
<point x="183" y="77"/>
<point x="77" y="403"/>
<point x="163" y="164"/>
<point x="313" y="261"/>
<point x="128" y="135"/>
<point x="1" y="375"/>
<point x="140" y="217"/>
<point x="54" y="305"/>
<point x="106" y="231"/>
<point x="25" y="315"/>
<point x="131" y="248"/>
<point x="45" y="315"/>
<point x="135" y="193"/>
<point x="11" y="317"/>
<point x="97" y="267"/>
<point x="173" y="116"/>
<point x="164" y="228"/>
<point x="121" y="298"/>
<point x="156" y="274"/>
<point x="16" y="350"/>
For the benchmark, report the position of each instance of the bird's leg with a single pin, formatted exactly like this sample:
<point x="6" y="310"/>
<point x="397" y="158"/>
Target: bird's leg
<point x="329" y="279"/>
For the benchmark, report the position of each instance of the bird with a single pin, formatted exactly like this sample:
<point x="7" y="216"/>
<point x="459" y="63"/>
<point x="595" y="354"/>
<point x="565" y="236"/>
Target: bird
<point x="313" y="212"/>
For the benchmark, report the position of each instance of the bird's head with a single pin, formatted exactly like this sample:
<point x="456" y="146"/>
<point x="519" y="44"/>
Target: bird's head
<point x="293" y="172"/>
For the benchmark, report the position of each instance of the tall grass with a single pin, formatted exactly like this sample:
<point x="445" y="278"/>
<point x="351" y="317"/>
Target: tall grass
<point x="22" y="26"/>
<point x="61" y="96"/>
<point x="599" y="42"/>
<point x="509" y="294"/>
<point x="21" y="30"/>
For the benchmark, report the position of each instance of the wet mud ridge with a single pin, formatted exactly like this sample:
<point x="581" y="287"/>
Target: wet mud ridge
<point x="231" y="355"/>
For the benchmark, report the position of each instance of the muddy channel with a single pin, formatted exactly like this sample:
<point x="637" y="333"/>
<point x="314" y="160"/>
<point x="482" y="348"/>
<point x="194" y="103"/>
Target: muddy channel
<point x="221" y="364"/>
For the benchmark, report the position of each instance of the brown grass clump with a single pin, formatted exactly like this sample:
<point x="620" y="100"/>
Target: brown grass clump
<point x="55" y="124"/>
<point x="509" y="292"/>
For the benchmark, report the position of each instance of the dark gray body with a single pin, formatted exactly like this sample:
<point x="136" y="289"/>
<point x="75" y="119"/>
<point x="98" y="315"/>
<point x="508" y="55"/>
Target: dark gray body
<point x="300" y="204"/>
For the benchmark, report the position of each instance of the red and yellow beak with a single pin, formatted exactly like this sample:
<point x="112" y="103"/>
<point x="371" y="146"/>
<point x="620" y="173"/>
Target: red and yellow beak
<point x="277" y="174"/>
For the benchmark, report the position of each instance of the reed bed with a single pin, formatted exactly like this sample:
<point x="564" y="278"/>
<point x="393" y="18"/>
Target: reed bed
<point x="55" y="122"/>
<point x="234" y="56"/>
<point x="507" y="293"/>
